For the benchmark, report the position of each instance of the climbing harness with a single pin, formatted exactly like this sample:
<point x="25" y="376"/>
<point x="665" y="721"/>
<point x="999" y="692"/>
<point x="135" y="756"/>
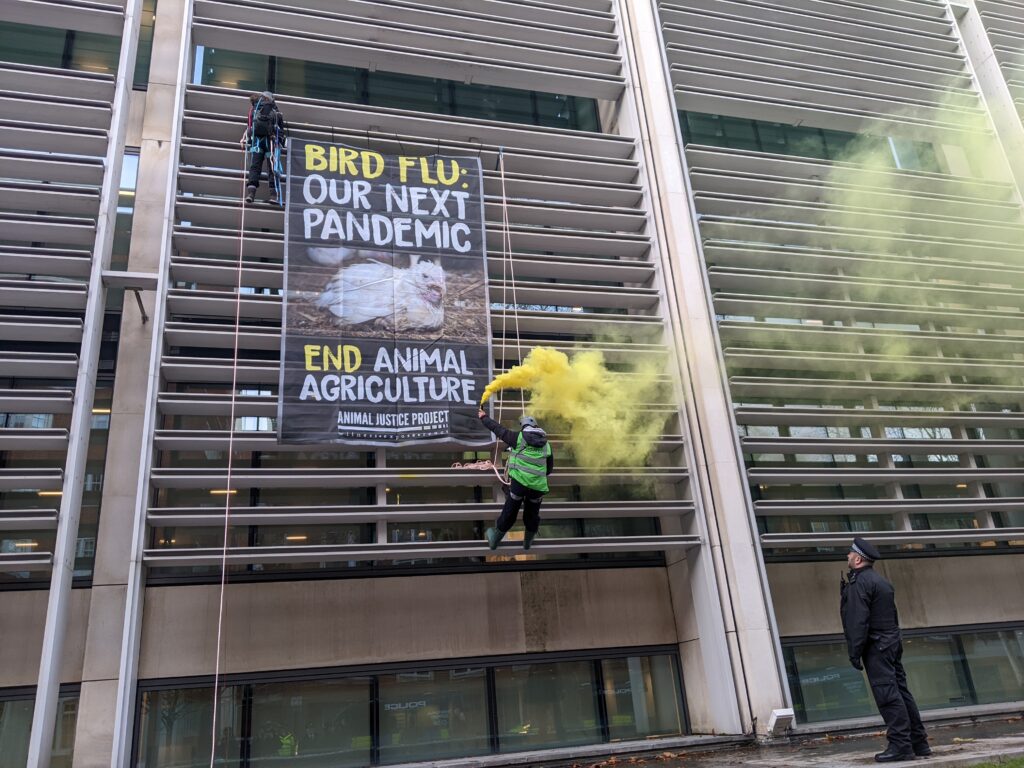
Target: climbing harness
<point x="228" y="490"/>
<point x="273" y="150"/>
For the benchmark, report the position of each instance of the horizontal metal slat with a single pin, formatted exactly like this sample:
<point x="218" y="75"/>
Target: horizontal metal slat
<point x="945" y="536"/>
<point x="868" y="446"/>
<point x="28" y="519"/>
<point x="163" y="558"/>
<point x="15" y="562"/>
<point x="46" y="330"/>
<point x="54" y="81"/>
<point x="82" y="15"/>
<point x="385" y="124"/>
<point x="800" y="390"/>
<point x="33" y="439"/>
<point x="27" y="478"/>
<point x="862" y="475"/>
<point x="323" y="515"/>
<point x="806" y="508"/>
<point x="434" y="33"/>
<point x="396" y="477"/>
<point x="796" y="416"/>
<point x="36" y="400"/>
<point x="403" y="58"/>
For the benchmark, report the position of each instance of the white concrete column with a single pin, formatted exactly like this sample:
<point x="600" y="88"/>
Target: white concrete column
<point x="992" y="84"/>
<point x="731" y="563"/>
<point x="59" y="597"/>
<point x="114" y="680"/>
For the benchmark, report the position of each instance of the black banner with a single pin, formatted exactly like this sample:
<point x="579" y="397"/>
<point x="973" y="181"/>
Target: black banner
<point x="386" y="325"/>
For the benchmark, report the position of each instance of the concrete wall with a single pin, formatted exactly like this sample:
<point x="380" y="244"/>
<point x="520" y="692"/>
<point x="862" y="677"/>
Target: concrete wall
<point x="930" y="592"/>
<point x="301" y="624"/>
<point x="21" y="636"/>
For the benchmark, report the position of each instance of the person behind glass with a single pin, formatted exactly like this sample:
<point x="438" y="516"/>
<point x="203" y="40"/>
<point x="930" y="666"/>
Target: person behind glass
<point x="529" y="465"/>
<point x="871" y="625"/>
<point x="264" y="138"/>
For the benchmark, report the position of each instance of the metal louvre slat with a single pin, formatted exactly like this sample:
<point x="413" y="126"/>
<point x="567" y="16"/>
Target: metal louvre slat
<point x="800" y="389"/>
<point x="862" y="475"/>
<point x="401" y="58"/>
<point x="28" y="519"/>
<point x="396" y="477"/>
<point x="320" y="515"/>
<point x="448" y="33"/>
<point x="386" y="124"/>
<point x="948" y="536"/>
<point x="82" y="15"/>
<point x="885" y="506"/>
<point x="217" y="440"/>
<point x="811" y="338"/>
<point x="14" y="562"/>
<point x="867" y="446"/>
<point x="539" y="16"/>
<point x="795" y="416"/>
<point x="156" y="558"/>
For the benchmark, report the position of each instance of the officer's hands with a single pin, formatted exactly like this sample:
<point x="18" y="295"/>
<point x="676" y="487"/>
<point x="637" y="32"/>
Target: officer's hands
<point x="481" y="413"/>
<point x="857" y="664"/>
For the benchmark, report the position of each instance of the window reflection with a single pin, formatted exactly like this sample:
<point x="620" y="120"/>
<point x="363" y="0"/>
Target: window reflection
<point x="546" y="705"/>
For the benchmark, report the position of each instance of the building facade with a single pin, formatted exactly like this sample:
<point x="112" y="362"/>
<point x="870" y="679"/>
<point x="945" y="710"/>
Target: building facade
<point x="806" y="213"/>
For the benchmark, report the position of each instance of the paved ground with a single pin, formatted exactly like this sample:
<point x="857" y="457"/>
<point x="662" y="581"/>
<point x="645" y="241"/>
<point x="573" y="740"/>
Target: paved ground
<point x="954" y="745"/>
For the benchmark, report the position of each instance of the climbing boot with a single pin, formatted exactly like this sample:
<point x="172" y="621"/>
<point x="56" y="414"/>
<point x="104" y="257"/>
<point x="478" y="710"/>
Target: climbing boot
<point x="528" y="538"/>
<point x="250" y="195"/>
<point x="273" y="197"/>
<point x="494" y="537"/>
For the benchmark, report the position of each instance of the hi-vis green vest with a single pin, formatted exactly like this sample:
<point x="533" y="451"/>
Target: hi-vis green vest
<point x="528" y="465"/>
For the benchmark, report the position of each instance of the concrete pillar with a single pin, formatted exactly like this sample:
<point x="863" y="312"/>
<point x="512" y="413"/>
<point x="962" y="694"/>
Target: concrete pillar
<point x="151" y="129"/>
<point x="729" y="567"/>
<point x="992" y="84"/>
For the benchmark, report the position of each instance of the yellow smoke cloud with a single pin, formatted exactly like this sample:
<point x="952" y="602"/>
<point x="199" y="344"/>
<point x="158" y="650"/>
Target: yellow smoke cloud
<point x="599" y="409"/>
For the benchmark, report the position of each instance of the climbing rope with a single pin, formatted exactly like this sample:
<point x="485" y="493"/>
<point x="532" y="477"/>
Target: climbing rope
<point x="231" y="452"/>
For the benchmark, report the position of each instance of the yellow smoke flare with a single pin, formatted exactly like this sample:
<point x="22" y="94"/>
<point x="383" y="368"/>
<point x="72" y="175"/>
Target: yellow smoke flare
<point x="598" y="410"/>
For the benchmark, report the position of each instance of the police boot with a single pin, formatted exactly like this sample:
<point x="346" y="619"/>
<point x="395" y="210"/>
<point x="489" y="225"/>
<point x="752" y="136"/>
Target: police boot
<point x="528" y="538"/>
<point x="250" y="195"/>
<point x="894" y="754"/>
<point x="494" y="537"/>
<point x="922" y="749"/>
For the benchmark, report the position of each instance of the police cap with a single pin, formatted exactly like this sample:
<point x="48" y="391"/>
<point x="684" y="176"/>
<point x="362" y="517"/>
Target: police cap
<point x="865" y="549"/>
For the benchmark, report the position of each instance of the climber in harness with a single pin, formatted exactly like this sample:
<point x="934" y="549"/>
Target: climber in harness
<point x="529" y="464"/>
<point x="265" y="136"/>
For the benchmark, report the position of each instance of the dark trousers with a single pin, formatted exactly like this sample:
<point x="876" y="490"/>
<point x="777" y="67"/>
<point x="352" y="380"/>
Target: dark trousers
<point x="262" y="152"/>
<point x="515" y="496"/>
<point x="884" y="665"/>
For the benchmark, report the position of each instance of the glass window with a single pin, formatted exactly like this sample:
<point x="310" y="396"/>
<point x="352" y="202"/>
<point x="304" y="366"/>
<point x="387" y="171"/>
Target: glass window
<point x="316" y="80"/>
<point x="642" y="697"/>
<point x="824" y="684"/>
<point x="996" y="664"/>
<point x="61" y="48"/>
<point x="176" y="728"/>
<point x="432" y="715"/>
<point x="316" y="723"/>
<point x="546" y="705"/>
<point x="230" y="69"/>
<point x="16" y="724"/>
<point x="387" y="89"/>
<point x="936" y="671"/>
<point x="331" y="82"/>
<point x="144" y="52"/>
<point x="29" y="44"/>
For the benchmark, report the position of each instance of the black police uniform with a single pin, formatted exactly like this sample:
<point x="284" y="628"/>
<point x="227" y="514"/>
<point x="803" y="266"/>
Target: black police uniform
<point x="871" y="626"/>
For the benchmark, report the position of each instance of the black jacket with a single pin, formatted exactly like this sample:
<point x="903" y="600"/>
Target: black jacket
<point x="510" y="438"/>
<point x="867" y="604"/>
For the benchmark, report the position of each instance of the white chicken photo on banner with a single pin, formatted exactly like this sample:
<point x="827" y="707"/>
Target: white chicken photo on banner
<point x="386" y="332"/>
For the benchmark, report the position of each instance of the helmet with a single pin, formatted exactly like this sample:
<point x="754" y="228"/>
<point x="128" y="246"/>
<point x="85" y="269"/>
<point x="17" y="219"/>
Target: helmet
<point x="267" y="95"/>
<point x="527" y="421"/>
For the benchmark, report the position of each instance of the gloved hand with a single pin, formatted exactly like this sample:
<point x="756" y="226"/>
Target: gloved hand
<point x="857" y="664"/>
<point x="481" y="413"/>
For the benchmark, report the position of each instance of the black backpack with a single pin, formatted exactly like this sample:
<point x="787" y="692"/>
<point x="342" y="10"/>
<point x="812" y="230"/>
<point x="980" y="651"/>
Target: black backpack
<point x="264" y="119"/>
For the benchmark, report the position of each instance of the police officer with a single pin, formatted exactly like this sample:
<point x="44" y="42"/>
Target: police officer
<point x="529" y="465"/>
<point x="871" y="625"/>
